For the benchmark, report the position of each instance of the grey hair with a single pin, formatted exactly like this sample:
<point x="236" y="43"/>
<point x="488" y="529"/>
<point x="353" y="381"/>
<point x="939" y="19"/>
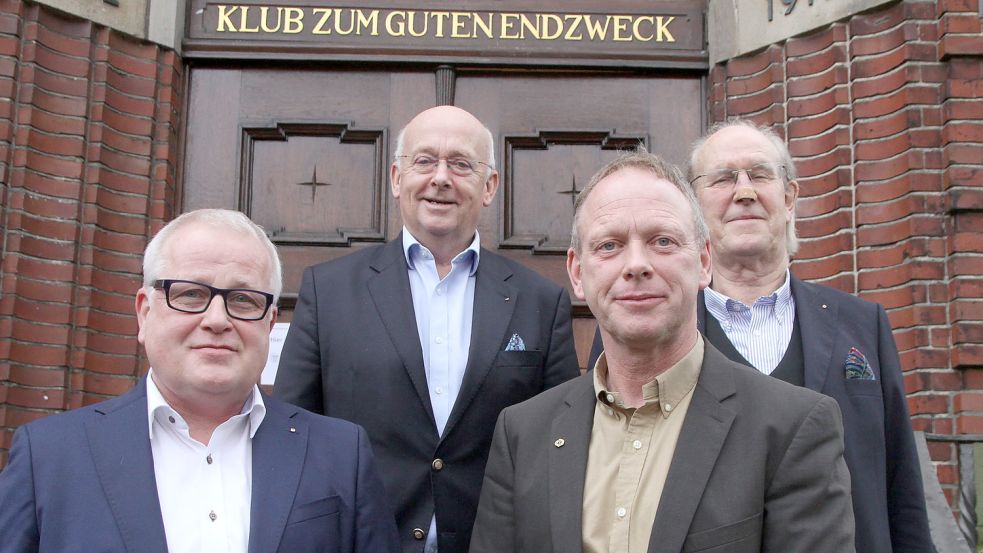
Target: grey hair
<point x="784" y="159"/>
<point x="222" y="218"/>
<point x="401" y="146"/>
<point x="641" y="159"/>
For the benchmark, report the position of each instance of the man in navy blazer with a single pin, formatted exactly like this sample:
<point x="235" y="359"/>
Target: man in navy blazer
<point x="195" y="458"/>
<point x="758" y="314"/>
<point x="381" y="338"/>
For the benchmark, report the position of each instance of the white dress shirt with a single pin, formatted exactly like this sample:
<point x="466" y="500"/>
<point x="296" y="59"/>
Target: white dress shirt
<point x="204" y="490"/>
<point x="761" y="332"/>
<point x="443" y="309"/>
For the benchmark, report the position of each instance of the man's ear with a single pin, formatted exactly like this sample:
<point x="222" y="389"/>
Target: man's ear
<point x="394" y="179"/>
<point x="706" y="265"/>
<point x="142" y="305"/>
<point x="491" y="186"/>
<point x="791" y="194"/>
<point x="573" y="270"/>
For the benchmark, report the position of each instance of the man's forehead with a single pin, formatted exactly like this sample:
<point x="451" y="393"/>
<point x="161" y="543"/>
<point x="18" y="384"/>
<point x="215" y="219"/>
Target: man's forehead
<point x="737" y="145"/>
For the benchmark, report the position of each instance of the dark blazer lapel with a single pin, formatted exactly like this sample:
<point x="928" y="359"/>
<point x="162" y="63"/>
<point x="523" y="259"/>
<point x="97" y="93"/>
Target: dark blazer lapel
<point x="494" y="302"/>
<point x="706" y="427"/>
<point x="279" y="449"/>
<point x="816" y="318"/>
<point x="390" y="291"/>
<point x="568" y="466"/>
<point x="119" y="441"/>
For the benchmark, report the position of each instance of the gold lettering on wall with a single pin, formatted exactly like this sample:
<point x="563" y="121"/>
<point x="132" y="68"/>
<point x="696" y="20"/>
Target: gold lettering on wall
<point x="448" y="25"/>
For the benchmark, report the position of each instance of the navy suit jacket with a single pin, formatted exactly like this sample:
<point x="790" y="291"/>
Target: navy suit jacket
<point x="83" y="481"/>
<point x="353" y="352"/>
<point x="888" y="499"/>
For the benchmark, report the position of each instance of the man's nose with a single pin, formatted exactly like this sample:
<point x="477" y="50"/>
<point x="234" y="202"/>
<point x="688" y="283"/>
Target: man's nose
<point x="216" y="316"/>
<point x="441" y="174"/>
<point x="744" y="190"/>
<point x="637" y="261"/>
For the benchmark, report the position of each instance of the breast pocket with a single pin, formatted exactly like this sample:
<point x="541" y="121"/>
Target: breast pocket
<point x="323" y="507"/>
<point x="517" y="375"/>
<point x="530" y="358"/>
<point x="744" y="535"/>
<point x="313" y="527"/>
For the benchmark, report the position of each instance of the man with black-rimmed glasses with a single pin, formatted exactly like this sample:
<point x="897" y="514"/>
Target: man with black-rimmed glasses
<point x="196" y="458"/>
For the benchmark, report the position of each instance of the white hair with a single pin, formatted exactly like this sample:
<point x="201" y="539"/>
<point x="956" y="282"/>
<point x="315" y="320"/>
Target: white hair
<point x="221" y="218"/>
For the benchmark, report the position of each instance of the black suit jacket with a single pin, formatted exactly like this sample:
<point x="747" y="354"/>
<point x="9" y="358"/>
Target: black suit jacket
<point x="758" y="467"/>
<point x="83" y="481"/>
<point x="888" y="499"/>
<point x="353" y="352"/>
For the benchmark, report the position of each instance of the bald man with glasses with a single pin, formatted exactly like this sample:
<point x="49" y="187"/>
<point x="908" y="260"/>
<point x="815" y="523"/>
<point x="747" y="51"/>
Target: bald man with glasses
<point x="424" y="340"/>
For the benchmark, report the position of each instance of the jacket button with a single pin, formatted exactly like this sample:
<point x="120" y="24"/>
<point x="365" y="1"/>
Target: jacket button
<point x="419" y="533"/>
<point x="437" y="464"/>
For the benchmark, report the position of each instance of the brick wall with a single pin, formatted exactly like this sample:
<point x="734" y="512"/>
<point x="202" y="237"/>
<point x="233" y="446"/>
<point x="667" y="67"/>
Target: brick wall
<point x="884" y="115"/>
<point x="89" y="122"/>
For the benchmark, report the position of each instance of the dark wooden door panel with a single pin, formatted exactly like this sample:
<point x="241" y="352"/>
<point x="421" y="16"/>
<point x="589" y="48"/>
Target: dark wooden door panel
<point x="306" y="152"/>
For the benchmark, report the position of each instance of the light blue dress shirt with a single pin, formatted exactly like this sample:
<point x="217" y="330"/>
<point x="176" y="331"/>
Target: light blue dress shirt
<point x="761" y="332"/>
<point x="443" y="309"/>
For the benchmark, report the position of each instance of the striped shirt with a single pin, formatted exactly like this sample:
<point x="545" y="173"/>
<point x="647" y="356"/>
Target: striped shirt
<point x="761" y="332"/>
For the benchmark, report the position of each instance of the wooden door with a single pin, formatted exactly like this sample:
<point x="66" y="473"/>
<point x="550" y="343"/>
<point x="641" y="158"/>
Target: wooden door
<point x="306" y="152"/>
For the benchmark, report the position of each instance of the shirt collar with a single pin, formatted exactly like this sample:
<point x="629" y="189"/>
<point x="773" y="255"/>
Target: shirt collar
<point x="667" y="389"/>
<point x="413" y="250"/>
<point x="719" y="304"/>
<point x="157" y="405"/>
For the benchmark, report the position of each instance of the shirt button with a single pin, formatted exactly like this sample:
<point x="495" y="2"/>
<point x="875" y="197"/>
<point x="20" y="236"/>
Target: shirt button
<point x="622" y="512"/>
<point x="637" y="444"/>
<point x="757" y="333"/>
<point x="668" y="407"/>
<point x="212" y="516"/>
<point x="419" y="534"/>
<point x="438" y="390"/>
<point x="437" y="465"/>
<point x="609" y="397"/>
<point x="439" y="340"/>
<point x="209" y="459"/>
<point x="171" y="418"/>
<point x="440" y="291"/>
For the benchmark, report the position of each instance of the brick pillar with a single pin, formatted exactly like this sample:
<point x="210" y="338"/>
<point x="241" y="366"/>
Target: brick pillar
<point x="89" y="122"/>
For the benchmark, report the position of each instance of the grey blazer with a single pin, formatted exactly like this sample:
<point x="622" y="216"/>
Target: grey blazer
<point x="758" y="467"/>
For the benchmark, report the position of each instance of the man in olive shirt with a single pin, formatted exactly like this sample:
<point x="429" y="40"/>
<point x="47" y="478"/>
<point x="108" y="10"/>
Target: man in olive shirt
<point x="667" y="445"/>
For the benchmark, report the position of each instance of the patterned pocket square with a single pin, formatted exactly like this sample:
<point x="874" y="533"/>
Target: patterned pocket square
<point x="857" y="367"/>
<point x="516" y="343"/>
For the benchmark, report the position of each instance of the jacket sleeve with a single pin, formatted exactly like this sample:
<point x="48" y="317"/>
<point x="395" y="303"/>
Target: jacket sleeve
<point x="375" y="525"/>
<point x="17" y="499"/>
<point x="905" y="493"/>
<point x="561" y="361"/>
<point x="298" y="377"/>
<point x="494" y="527"/>
<point x="807" y="504"/>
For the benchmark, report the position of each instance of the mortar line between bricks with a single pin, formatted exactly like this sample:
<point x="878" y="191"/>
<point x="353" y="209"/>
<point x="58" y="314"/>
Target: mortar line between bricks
<point x="853" y="158"/>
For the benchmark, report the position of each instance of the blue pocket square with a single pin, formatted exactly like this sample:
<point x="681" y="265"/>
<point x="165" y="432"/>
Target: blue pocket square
<point x="516" y="343"/>
<point x="857" y="367"/>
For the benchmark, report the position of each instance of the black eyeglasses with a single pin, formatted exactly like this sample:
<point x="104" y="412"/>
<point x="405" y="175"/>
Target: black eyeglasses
<point x="460" y="166"/>
<point x="188" y="296"/>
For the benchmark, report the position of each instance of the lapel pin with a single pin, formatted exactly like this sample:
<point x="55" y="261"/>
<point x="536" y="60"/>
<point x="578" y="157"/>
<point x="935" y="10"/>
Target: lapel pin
<point x="294" y="430"/>
<point x="559" y="442"/>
